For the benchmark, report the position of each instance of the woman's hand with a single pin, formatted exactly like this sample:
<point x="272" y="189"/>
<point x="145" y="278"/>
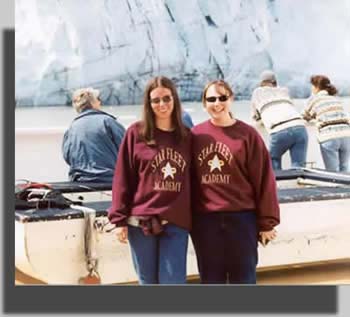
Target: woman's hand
<point x="266" y="236"/>
<point x="122" y="234"/>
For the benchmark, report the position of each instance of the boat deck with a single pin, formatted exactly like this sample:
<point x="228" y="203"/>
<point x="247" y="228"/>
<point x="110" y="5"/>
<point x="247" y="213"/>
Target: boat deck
<point x="287" y="195"/>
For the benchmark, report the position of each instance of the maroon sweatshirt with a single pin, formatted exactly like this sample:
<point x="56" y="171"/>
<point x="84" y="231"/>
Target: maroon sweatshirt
<point x="233" y="172"/>
<point x="152" y="179"/>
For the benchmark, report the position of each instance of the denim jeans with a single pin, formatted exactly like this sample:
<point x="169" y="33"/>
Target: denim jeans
<point x="294" y="139"/>
<point x="226" y="247"/>
<point x="336" y="154"/>
<point x="159" y="259"/>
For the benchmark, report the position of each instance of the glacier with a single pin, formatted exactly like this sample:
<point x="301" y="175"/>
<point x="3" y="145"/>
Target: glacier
<point x="117" y="45"/>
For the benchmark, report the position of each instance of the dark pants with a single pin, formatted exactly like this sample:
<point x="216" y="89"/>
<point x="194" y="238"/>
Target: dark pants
<point x="226" y="247"/>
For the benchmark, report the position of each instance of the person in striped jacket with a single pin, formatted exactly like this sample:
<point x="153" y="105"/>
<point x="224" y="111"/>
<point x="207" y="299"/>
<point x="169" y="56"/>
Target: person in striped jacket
<point x="332" y="121"/>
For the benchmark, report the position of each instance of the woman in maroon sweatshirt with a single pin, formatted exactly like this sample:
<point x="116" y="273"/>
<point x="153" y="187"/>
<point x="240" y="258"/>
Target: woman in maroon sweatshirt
<point x="151" y="188"/>
<point x="234" y="192"/>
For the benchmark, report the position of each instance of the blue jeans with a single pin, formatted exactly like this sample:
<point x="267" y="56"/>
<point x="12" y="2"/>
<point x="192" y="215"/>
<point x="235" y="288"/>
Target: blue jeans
<point x="294" y="139"/>
<point x="159" y="259"/>
<point x="336" y="154"/>
<point x="226" y="247"/>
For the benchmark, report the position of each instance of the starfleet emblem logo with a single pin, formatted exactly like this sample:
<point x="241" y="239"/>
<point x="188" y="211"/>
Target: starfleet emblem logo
<point x="215" y="157"/>
<point x="168" y="171"/>
<point x="215" y="163"/>
<point x="168" y="167"/>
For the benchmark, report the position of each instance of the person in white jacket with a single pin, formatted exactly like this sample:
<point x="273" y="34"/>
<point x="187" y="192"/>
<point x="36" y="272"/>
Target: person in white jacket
<point x="273" y="106"/>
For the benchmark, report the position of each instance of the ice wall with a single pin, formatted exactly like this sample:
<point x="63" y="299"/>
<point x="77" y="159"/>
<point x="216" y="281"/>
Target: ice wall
<point x="117" y="45"/>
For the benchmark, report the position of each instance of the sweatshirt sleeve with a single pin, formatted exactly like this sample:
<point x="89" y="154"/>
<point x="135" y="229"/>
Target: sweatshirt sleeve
<point x="263" y="181"/>
<point x="124" y="181"/>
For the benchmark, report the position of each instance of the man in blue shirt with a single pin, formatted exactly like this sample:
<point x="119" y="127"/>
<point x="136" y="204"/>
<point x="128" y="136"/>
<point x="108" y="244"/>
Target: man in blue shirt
<point x="187" y="120"/>
<point x="91" y="144"/>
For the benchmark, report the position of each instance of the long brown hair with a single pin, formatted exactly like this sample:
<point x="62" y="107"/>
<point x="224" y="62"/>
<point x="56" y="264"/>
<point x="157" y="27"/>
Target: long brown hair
<point x="322" y="82"/>
<point x="148" y="118"/>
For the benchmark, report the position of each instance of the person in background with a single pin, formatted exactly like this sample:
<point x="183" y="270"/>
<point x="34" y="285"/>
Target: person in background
<point x="151" y="188"/>
<point x="235" y="192"/>
<point x="90" y="145"/>
<point x="333" y="124"/>
<point x="272" y="105"/>
<point x="187" y="120"/>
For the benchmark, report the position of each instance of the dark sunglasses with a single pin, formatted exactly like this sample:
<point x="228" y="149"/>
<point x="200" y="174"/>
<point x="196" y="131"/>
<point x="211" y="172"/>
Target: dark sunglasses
<point x="222" y="98"/>
<point x="165" y="99"/>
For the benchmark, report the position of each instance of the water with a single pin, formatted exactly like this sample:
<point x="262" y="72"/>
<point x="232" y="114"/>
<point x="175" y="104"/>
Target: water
<point x="39" y="133"/>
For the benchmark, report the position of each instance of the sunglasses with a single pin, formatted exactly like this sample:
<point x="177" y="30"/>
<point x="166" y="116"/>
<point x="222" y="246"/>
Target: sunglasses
<point x="165" y="99"/>
<point x="222" y="98"/>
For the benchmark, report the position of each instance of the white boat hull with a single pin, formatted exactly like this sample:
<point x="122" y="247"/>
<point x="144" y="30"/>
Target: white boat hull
<point x="53" y="251"/>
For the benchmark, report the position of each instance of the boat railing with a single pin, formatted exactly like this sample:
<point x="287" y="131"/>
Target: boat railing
<point x="313" y="174"/>
<point x="80" y="187"/>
